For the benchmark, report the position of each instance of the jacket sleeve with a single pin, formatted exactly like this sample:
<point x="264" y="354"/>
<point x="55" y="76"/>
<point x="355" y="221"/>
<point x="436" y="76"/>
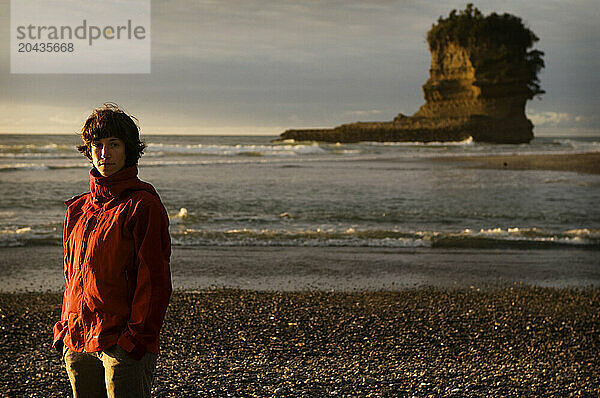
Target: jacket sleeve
<point x="150" y="229"/>
<point x="60" y="327"/>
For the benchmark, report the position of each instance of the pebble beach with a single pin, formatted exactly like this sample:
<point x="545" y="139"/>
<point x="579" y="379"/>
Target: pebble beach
<point x="470" y="342"/>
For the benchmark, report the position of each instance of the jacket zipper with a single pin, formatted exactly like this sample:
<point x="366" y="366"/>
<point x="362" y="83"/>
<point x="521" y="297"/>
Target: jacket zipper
<point x="88" y="226"/>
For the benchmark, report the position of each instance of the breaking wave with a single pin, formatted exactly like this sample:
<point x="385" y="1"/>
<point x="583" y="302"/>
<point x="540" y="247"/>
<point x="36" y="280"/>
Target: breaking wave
<point x="28" y="149"/>
<point x="527" y="238"/>
<point x="468" y="141"/>
<point x="30" y="236"/>
<point x="182" y="235"/>
<point x="234" y="150"/>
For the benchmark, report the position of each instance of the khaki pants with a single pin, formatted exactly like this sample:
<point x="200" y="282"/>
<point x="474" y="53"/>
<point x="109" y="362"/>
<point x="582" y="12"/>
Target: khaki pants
<point x="110" y="373"/>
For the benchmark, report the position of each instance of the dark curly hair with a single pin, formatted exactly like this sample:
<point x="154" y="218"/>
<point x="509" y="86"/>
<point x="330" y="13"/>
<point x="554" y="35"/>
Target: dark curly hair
<point x="110" y="120"/>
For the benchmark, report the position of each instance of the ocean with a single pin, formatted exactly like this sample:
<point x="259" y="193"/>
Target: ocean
<point x="248" y="191"/>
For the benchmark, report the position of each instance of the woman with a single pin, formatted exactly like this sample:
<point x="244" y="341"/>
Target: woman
<point x="116" y="264"/>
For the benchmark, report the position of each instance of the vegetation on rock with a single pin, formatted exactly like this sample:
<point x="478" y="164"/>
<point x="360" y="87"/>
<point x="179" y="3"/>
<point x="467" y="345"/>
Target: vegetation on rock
<point x="498" y="46"/>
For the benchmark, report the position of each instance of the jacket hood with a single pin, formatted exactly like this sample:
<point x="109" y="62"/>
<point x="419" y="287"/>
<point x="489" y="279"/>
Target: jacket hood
<point x="104" y="189"/>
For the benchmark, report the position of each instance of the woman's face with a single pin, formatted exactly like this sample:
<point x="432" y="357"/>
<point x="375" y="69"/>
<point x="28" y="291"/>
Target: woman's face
<point x="108" y="155"/>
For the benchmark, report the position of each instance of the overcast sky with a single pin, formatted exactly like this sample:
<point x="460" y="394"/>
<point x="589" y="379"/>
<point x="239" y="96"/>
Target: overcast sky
<point x="260" y="67"/>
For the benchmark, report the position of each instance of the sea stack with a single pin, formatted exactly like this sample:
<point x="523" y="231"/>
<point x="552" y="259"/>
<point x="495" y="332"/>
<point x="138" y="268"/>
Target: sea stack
<point x="482" y="74"/>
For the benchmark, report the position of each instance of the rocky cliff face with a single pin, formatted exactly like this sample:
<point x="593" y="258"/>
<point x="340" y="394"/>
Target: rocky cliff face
<point x="457" y="89"/>
<point x="471" y="92"/>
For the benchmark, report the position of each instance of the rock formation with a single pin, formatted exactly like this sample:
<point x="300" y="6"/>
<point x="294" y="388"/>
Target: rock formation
<point x="481" y="77"/>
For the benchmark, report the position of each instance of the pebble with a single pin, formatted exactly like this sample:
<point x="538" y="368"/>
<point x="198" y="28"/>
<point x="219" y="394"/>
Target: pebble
<point x="524" y="341"/>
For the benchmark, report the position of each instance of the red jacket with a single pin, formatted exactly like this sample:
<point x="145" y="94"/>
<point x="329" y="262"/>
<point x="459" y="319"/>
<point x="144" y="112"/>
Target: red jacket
<point x="116" y="263"/>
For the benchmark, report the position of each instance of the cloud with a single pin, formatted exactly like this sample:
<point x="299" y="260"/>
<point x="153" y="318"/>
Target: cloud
<point x="285" y="31"/>
<point x="555" y="119"/>
<point x="551" y="119"/>
<point x="63" y="119"/>
<point x="299" y="64"/>
<point x="363" y="113"/>
<point x="563" y="123"/>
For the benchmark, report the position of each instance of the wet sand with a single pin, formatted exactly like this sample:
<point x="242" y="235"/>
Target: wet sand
<point x="519" y="341"/>
<point x="581" y="163"/>
<point x="330" y="268"/>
